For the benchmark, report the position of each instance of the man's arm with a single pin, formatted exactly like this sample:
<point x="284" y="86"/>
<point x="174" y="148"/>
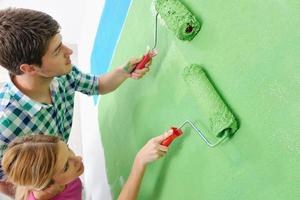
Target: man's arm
<point x="150" y="152"/>
<point x="7" y="189"/>
<point x="112" y="80"/>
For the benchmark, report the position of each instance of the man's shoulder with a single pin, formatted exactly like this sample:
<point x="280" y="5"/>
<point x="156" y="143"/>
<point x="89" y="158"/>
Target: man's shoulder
<point x="9" y="105"/>
<point x="5" y="96"/>
<point x="8" y="112"/>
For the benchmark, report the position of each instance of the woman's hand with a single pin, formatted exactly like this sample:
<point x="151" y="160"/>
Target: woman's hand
<point x="153" y="150"/>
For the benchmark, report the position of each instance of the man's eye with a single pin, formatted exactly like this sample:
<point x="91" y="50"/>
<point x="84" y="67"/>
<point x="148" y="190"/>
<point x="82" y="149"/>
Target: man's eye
<point x="57" y="51"/>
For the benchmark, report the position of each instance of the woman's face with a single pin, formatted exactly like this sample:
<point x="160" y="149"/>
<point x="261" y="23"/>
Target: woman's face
<point x="68" y="166"/>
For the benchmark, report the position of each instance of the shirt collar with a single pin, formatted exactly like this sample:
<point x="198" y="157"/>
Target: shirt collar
<point x="31" y="106"/>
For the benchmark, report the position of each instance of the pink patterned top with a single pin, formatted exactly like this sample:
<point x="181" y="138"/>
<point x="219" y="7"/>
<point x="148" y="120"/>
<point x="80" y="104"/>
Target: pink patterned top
<point x="72" y="191"/>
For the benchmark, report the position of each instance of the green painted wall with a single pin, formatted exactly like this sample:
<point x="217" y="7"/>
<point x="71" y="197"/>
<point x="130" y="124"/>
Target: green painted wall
<point x="250" y="49"/>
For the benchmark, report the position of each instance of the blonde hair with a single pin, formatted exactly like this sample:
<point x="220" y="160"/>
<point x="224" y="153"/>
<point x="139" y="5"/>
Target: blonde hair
<point x="29" y="162"/>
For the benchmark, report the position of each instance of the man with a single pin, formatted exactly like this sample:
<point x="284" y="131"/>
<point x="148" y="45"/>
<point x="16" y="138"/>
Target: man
<point x="40" y="96"/>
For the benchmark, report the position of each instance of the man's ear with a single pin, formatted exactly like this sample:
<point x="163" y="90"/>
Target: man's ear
<point x="28" y="69"/>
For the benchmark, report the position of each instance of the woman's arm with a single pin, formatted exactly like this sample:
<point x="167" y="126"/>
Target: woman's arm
<point x="152" y="151"/>
<point x="132" y="186"/>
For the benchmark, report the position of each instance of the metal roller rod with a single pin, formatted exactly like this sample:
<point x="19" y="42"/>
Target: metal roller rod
<point x="203" y="136"/>
<point x="155" y="32"/>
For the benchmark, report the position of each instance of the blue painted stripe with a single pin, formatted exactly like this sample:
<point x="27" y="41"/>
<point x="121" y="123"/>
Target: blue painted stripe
<point x="109" y="28"/>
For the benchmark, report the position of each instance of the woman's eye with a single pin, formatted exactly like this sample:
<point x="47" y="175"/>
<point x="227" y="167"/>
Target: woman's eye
<point x="66" y="166"/>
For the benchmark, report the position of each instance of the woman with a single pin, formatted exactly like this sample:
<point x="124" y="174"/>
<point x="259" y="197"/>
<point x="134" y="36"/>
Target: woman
<point x="43" y="167"/>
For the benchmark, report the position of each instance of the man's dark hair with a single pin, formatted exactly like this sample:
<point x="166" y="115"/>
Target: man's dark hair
<point x="24" y="37"/>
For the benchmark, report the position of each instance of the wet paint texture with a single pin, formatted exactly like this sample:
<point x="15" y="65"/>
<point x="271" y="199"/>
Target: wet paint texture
<point x="250" y="50"/>
<point x="217" y="115"/>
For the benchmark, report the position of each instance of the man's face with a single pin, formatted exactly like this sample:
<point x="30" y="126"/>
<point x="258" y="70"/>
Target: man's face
<point x="56" y="61"/>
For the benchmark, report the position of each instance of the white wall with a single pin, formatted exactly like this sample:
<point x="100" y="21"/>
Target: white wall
<point x="79" y="20"/>
<point x="96" y="180"/>
<point x="68" y="13"/>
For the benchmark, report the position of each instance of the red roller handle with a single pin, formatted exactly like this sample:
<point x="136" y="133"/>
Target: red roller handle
<point x="176" y="132"/>
<point x="146" y="58"/>
<point x="143" y="62"/>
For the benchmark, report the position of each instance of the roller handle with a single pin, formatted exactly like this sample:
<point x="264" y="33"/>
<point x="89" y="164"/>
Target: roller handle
<point x="146" y="58"/>
<point x="176" y="132"/>
<point x="144" y="61"/>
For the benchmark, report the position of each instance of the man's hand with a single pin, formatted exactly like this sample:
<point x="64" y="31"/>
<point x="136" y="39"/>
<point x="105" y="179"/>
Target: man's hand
<point x="130" y="67"/>
<point x="112" y="80"/>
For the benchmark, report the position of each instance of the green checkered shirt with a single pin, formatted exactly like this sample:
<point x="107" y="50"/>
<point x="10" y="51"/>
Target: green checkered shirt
<point x="19" y="115"/>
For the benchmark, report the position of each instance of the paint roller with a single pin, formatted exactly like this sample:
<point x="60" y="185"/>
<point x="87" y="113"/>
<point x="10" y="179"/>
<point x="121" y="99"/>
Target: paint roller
<point x="178" y="19"/>
<point x="218" y="118"/>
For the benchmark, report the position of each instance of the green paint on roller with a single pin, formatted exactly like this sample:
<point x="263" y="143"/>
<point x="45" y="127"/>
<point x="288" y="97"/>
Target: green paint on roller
<point x="178" y="18"/>
<point x="219" y="118"/>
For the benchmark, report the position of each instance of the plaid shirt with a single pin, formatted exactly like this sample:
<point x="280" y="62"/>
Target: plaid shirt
<point x="19" y="115"/>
